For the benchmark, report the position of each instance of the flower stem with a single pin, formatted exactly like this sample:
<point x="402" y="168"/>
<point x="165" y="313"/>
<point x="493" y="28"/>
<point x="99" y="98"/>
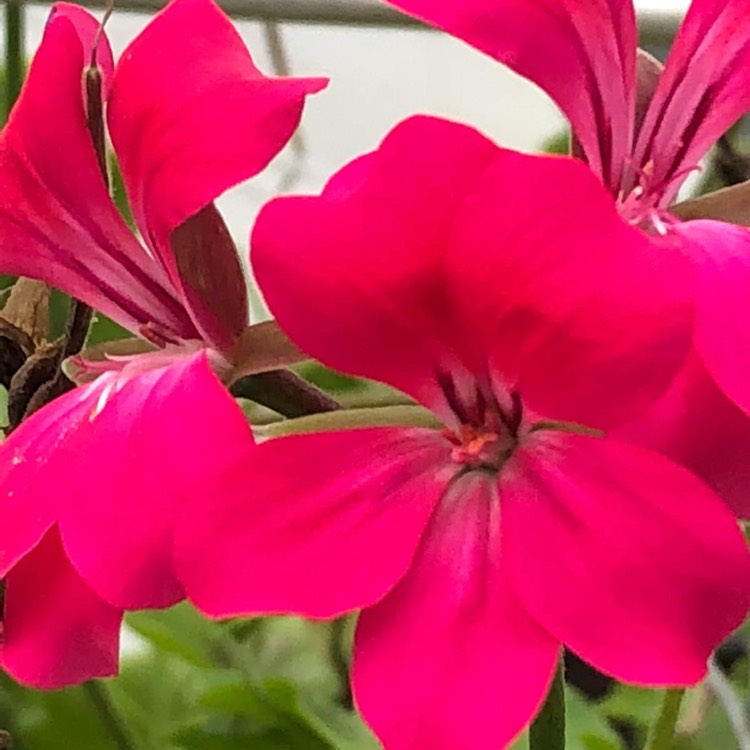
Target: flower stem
<point x="14" y="57"/>
<point x="662" y="732"/>
<point x="284" y="392"/>
<point x="99" y="695"/>
<point x="547" y="731"/>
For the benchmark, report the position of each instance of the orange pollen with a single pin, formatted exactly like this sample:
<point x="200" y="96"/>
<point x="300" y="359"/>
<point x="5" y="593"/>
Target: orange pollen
<point x="474" y="447"/>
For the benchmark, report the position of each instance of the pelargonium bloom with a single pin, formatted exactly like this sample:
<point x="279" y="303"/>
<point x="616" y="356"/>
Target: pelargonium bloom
<point x="643" y="129"/>
<point x="92" y="482"/>
<point x="461" y="274"/>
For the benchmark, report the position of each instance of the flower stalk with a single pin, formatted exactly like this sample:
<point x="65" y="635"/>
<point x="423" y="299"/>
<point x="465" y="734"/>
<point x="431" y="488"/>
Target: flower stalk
<point x="662" y="732"/>
<point x="102" y="701"/>
<point x="284" y="392"/>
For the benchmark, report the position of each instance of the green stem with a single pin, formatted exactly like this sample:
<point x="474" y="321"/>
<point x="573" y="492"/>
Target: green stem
<point x="110" y="716"/>
<point x="14" y="62"/>
<point x="547" y="732"/>
<point x="339" y="660"/>
<point x="662" y="732"/>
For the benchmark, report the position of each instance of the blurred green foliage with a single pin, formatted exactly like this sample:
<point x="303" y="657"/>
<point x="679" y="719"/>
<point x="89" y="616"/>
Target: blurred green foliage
<point x="189" y="683"/>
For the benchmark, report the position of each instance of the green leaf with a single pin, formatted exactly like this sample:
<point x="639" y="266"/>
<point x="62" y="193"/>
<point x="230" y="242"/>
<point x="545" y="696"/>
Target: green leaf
<point x="40" y="720"/>
<point x="197" y="738"/>
<point x="103" y="329"/>
<point x="181" y="631"/>
<point x="587" y="727"/>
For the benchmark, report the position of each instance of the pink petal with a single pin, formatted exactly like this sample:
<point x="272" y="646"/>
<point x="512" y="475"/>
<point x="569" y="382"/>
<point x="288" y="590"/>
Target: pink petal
<point x="190" y="116"/>
<point x="57" y="220"/>
<point x="372" y="245"/>
<point x="113" y="462"/>
<point x="627" y="558"/>
<point x="704" y="89"/>
<point x="437" y="662"/>
<point x="29" y="461"/>
<point x="314" y="524"/>
<point x="442" y="247"/>
<point x="697" y="426"/>
<point x="573" y="308"/>
<point x="158" y="437"/>
<point x="581" y="52"/>
<point x="56" y="630"/>
<point x="722" y="254"/>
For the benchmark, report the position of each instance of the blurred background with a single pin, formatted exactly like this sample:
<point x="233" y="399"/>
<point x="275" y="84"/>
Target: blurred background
<point x="280" y="684"/>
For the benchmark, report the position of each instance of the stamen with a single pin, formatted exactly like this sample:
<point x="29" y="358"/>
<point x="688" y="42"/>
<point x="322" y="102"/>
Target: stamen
<point x="642" y="206"/>
<point x="101" y="402"/>
<point x="149" y="333"/>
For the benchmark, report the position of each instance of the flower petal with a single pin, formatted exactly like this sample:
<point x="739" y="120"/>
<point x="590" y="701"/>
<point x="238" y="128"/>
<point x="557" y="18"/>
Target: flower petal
<point x="436" y="663"/>
<point x="581" y="52"/>
<point x="113" y="462"/>
<point x="704" y="89"/>
<point x="371" y="245"/>
<point x="145" y="447"/>
<point x="268" y="537"/>
<point x="190" y="116"/>
<point x="626" y="557"/>
<point x="722" y="254"/>
<point x="57" y="220"/>
<point x="442" y="247"/>
<point x="572" y="307"/>
<point x="56" y="630"/>
<point x="28" y="469"/>
<point x="697" y="426"/>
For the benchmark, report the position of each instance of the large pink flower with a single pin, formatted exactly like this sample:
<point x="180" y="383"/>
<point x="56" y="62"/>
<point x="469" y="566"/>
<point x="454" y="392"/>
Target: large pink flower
<point x="463" y="275"/>
<point x="91" y="483"/>
<point x="643" y="130"/>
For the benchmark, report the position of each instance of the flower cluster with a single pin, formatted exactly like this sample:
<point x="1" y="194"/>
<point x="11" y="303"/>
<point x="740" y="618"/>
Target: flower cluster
<point x="574" y="466"/>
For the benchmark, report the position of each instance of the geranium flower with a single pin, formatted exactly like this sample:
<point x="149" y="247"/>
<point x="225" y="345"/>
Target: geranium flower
<point x="642" y="130"/>
<point x="463" y="275"/>
<point x="92" y="482"/>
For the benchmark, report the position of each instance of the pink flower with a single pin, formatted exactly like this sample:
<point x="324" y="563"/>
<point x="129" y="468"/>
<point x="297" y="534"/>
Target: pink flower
<point x="92" y="482"/>
<point x="583" y="54"/>
<point x="643" y="130"/>
<point x="463" y="275"/>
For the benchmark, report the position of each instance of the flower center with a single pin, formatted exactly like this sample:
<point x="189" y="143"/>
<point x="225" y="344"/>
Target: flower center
<point x="641" y="207"/>
<point x="477" y="449"/>
<point x="487" y="433"/>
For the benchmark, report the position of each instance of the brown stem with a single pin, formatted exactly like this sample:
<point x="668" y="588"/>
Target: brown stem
<point x="284" y="392"/>
<point x="95" y="117"/>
